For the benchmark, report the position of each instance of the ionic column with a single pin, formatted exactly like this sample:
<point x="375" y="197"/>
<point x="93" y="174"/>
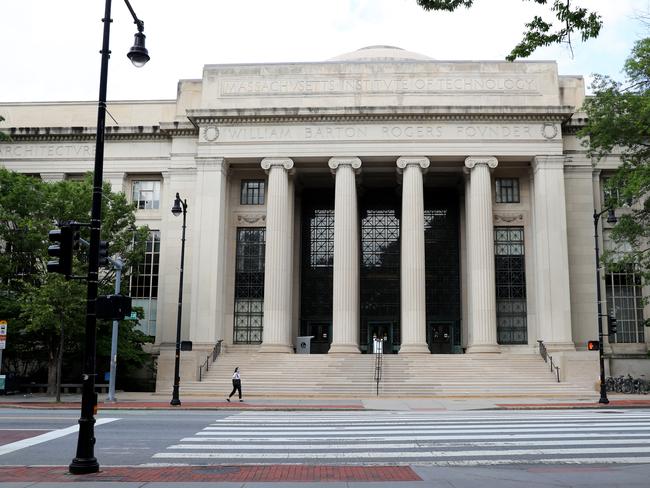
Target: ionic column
<point x="345" y="310"/>
<point x="412" y="285"/>
<point x="276" y="336"/>
<point x="551" y="254"/>
<point x="482" y="288"/>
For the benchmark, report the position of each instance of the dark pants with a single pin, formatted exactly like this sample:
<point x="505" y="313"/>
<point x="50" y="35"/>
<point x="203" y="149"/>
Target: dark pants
<point x="236" y="386"/>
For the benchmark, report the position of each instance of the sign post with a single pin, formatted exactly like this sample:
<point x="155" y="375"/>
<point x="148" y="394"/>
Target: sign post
<point x="3" y="344"/>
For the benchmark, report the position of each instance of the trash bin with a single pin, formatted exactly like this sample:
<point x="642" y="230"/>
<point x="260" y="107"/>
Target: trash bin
<point x="303" y="344"/>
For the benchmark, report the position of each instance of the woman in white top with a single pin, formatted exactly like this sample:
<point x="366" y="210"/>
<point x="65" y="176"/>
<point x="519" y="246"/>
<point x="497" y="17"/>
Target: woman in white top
<point x="236" y="385"/>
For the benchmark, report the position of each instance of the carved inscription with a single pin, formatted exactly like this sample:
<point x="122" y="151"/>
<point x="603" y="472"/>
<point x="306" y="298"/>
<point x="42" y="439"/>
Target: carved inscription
<point x="383" y="132"/>
<point x="441" y="84"/>
<point x="47" y="151"/>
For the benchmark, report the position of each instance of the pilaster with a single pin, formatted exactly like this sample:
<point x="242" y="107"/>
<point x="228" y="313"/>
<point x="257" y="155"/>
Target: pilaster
<point x="551" y="254"/>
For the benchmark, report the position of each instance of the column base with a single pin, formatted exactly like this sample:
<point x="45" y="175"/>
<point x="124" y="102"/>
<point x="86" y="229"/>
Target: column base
<point x="483" y="348"/>
<point x="414" y="349"/>
<point x="344" y="349"/>
<point x="559" y="346"/>
<point x="281" y="348"/>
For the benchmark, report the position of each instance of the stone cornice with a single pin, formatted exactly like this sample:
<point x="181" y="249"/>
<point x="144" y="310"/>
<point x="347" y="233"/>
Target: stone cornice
<point x="374" y="114"/>
<point x="112" y="133"/>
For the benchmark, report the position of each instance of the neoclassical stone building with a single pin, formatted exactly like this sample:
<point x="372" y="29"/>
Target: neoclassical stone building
<point x="445" y="206"/>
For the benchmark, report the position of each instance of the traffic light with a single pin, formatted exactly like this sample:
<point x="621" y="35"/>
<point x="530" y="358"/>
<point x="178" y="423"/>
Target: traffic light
<point x="611" y="324"/>
<point x="113" y="307"/>
<point x="593" y="345"/>
<point x="103" y="253"/>
<point x="61" y="249"/>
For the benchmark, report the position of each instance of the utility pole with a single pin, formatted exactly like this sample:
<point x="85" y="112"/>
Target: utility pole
<point x="118" y="265"/>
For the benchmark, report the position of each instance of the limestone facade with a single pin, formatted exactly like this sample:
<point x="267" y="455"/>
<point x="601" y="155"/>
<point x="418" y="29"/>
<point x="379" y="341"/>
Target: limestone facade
<point x="371" y="127"/>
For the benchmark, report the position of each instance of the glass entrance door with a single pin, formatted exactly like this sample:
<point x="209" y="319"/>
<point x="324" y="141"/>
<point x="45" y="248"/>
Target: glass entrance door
<point x="381" y="330"/>
<point x="439" y="337"/>
<point x="321" y="337"/>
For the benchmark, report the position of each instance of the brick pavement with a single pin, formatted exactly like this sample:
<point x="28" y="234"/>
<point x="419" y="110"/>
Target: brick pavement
<point x="237" y="474"/>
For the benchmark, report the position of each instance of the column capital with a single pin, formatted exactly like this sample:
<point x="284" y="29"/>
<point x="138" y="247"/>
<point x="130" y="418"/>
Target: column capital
<point x="490" y="161"/>
<point x="549" y="162"/>
<point x="420" y="161"/>
<point x="268" y="163"/>
<point x="353" y="162"/>
<point x="211" y="164"/>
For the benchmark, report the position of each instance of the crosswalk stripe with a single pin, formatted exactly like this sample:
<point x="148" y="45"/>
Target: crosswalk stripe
<point x="391" y="428"/>
<point x="411" y="445"/>
<point x="367" y="438"/>
<point x="400" y="454"/>
<point x="416" y="438"/>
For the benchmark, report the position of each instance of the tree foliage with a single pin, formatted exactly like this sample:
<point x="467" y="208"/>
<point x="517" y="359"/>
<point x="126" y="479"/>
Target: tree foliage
<point x="564" y="20"/>
<point x="3" y="136"/>
<point x="619" y="122"/>
<point x="39" y="306"/>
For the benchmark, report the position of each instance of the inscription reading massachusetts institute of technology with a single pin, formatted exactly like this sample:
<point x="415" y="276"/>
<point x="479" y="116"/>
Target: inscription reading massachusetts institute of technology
<point x="330" y="86"/>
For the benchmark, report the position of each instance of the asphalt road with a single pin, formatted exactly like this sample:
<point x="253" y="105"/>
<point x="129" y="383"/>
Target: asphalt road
<point x="501" y="448"/>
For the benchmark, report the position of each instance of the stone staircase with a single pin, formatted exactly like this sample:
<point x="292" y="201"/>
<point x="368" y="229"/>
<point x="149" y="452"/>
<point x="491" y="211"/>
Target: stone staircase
<point x="352" y="376"/>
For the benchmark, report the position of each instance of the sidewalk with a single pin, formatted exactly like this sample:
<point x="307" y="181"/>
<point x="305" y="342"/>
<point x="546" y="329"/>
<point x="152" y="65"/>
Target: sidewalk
<point x="145" y="401"/>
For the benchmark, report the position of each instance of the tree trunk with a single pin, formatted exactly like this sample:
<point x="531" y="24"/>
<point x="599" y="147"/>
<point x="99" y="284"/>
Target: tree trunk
<point x="59" y="364"/>
<point x="51" y="371"/>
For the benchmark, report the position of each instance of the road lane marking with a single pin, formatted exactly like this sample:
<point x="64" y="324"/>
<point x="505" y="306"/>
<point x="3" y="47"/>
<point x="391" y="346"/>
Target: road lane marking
<point x="55" y="434"/>
<point x="408" y="445"/>
<point x="397" y="454"/>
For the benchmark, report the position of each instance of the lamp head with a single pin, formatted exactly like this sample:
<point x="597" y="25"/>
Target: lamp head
<point x="138" y="54"/>
<point x="176" y="209"/>
<point x="611" y="216"/>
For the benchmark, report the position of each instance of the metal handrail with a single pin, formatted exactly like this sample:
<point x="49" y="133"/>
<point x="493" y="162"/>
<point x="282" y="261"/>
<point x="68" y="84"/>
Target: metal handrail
<point x="548" y="359"/>
<point x="213" y="355"/>
<point x="379" y="360"/>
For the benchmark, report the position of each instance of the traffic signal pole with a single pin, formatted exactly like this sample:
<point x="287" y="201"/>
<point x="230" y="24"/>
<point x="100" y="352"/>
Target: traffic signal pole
<point x="85" y="460"/>
<point x="601" y="360"/>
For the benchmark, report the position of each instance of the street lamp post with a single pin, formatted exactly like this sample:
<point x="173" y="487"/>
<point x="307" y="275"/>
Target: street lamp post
<point x="179" y="206"/>
<point x="611" y="218"/>
<point x="85" y="461"/>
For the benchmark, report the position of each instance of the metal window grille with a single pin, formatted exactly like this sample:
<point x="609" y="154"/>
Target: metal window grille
<point x="625" y="302"/>
<point x="322" y="238"/>
<point x="146" y="194"/>
<point x="143" y="283"/>
<point x="507" y="190"/>
<point x="512" y="327"/>
<point x="252" y="192"/>
<point x="249" y="285"/>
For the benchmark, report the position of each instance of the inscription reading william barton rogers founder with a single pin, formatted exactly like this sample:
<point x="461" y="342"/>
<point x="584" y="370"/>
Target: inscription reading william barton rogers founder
<point x="330" y="86"/>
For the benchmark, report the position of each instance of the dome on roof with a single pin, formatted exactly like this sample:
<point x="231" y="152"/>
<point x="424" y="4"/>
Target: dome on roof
<point x="381" y="53"/>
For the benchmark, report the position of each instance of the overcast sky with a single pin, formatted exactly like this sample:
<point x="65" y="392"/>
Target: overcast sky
<point x="50" y="49"/>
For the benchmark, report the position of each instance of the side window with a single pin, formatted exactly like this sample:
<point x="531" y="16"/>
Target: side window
<point x="146" y="194"/>
<point x="252" y="192"/>
<point x="507" y="190"/>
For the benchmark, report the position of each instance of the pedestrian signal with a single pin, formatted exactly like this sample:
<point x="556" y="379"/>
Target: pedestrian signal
<point x="593" y="345"/>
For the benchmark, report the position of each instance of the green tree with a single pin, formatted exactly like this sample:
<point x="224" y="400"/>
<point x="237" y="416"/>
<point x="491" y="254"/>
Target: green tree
<point x="564" y="20"/>
<point x="46" y="313"/>
<point x="3" y="136"/>
<point x="619" y="122"/>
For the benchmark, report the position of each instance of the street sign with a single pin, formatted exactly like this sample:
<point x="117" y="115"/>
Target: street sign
<point x="2" y="381"/>
<point x="134" y="316"/>
<point x="3" y="334"/>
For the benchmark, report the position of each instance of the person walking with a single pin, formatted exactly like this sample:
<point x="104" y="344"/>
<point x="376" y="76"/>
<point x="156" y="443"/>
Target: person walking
<point x="236" y="385"/>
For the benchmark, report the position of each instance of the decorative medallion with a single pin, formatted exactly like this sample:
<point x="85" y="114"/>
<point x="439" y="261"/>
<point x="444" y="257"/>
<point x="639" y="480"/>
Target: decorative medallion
<point x="211" y="133"/>
<point x="549" y="131"/>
